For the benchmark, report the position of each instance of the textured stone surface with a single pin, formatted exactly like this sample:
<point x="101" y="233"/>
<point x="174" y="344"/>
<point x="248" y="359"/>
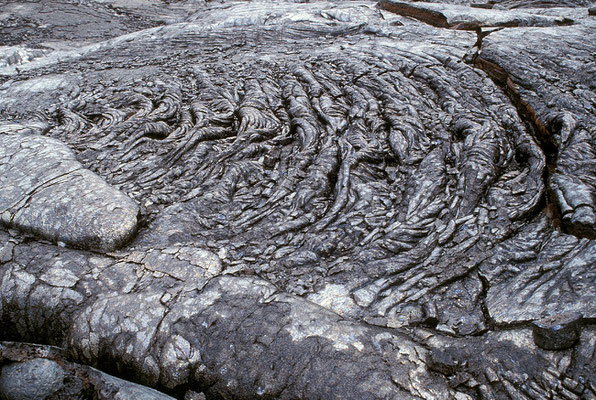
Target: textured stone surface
<point x="110" y="387"/>
<point x="555" y="71"/>
<point x="558" y="332"/>
<point x="44" y="190"/>
<point x="336" y="200"/>
<point x="37" y="379"/>
<point x="533" y="276"/>
<point x="52" y="376"/>
<point x="468" y="18"/>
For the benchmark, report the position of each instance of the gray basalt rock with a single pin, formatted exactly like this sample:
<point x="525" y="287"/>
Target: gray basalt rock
<point x="336" y="201"/>
<point x="532" y="275"/>
<point x="508" y="363"/>
<point x="109" y="387"/>
<point x="468" y="18"/>
<point x="51" y="376"/>
<point x="562" y="95"/>
<point x="558" y="332"/>
<point x="228" y="335"/>
<point x="191" y="395"/>
<point x="36" y="379"/>
<point x="45" y="190"/>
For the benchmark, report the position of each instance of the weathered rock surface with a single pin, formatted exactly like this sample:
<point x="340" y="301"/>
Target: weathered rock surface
<point x="533" y="276"/>
<point x="231" y="335"/>
<point x="31" y="380"/>
<point x="53" y="377"/>
<point x="559" y="332"/>
<point x="507" y="364"/>
<point x="555" y="71"/>
<point x="337" y="200"/>
<point x="45" y="190"/>
<point x="468" y="18"/>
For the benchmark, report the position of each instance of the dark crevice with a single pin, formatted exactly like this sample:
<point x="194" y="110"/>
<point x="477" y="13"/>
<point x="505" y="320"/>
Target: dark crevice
<point x="490" y="322"/>
<point x="544" y="137"/>
<point x="499" y="75"/>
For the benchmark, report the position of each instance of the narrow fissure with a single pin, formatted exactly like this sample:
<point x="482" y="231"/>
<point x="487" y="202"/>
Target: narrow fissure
<point x="544" y="137"/>
<point x="500" y="77"/>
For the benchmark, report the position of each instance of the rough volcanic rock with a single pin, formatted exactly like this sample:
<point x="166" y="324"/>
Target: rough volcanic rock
<point x="508" y="364"/>
<point x="533" y="276"/>
<point x="63" y="23"/>
<point x="336" y="201"/>
<point x="514" y="4"/>
<point x="31" y="380"/>
<point x="555" y="69"/>
<point x="52" y="376"/>
<point x="468" y="18"/>
<point x="231" y="335"/>
<point x="558" y="332"/>
<point x="44" y="190"/>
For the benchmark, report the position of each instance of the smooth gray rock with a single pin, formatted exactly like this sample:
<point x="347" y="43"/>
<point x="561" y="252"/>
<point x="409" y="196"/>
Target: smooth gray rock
<point x="24" y="377"/>
<point x="109" y="387"/>
<point x="36" y="379"/>
<point x="45" y="190"/>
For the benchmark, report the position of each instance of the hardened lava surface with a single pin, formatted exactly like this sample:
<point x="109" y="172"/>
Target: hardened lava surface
<point x="300" y="200"/>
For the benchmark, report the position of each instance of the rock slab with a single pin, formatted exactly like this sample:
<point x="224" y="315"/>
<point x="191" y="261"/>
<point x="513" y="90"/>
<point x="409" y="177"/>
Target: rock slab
<point x="44" y="190"/>
<point x="36" y="379"/>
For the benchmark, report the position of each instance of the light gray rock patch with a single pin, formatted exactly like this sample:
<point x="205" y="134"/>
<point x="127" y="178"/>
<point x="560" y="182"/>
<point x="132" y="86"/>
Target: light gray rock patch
<point x="46" y="191"/>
